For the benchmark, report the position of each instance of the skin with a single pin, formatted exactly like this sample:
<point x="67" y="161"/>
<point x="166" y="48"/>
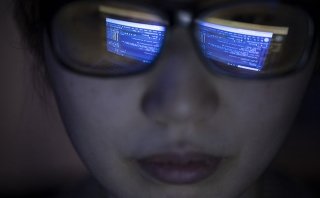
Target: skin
<point x="178" y="106"/>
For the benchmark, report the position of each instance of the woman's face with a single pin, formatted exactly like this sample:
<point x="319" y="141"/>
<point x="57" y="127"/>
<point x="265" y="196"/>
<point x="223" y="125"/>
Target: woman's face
<point x="178" y="130"/>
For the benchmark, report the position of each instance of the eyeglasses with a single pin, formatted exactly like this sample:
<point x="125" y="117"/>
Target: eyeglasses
<point x="245" y="40"/>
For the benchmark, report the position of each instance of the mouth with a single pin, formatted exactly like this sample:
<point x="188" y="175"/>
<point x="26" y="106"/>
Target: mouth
<point x="180" y="169"/>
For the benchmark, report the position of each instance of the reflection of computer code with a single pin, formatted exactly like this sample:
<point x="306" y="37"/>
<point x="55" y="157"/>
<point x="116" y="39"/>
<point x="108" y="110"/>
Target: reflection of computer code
<point x="137" y="41"/>
<point x="236" y="47"/>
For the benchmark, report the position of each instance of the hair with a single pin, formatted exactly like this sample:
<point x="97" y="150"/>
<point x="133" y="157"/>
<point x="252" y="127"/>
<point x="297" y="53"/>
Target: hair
<point x="34" y="16"/>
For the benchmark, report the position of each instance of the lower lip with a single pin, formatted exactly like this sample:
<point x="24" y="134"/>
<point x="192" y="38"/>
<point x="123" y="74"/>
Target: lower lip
<point x="180" y="170"/>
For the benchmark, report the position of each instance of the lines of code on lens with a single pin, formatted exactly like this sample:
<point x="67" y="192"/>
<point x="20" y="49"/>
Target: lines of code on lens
<point x="136" y="41"/>
<point x="241" y="48"/>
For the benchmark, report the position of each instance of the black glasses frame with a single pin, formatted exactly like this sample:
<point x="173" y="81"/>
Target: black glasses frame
<point x="176" y="19"/>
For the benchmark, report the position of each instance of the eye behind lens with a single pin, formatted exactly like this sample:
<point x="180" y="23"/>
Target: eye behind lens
<point x="254" y="40"/>
<point x="100" y="39"/>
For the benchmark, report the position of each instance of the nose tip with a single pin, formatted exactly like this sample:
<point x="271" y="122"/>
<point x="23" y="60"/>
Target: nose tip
<point x="182" y="90"/>
<point x="169" y="106"/>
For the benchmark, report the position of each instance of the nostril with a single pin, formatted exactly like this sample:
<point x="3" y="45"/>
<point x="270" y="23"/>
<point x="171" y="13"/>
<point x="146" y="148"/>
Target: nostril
<point x="149" y="104"/>
<point x="170" y="106"/>
<point x="181" y="90"/>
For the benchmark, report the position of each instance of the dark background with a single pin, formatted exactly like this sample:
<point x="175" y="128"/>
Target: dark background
<point x="37" y="158"/>
<point x="35" y="153"/>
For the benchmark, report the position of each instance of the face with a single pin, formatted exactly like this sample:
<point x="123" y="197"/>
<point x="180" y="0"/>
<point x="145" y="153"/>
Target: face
<point x="177" y="130"/>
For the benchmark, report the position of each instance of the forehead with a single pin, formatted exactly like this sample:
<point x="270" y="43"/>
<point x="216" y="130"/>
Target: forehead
<point x="176" y="3"/>
<point x="193" y="4"/>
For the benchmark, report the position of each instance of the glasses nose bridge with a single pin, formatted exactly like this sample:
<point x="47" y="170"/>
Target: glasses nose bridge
<point x="183" y="18"/>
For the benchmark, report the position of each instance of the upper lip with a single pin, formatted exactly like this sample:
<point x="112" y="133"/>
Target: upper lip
<point x="175" y="150"/>
<point x="181" y="157"/>
<point x="179" y="168"/>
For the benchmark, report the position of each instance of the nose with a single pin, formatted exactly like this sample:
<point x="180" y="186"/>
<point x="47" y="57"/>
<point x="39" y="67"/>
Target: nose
<point x="181" y="90"/>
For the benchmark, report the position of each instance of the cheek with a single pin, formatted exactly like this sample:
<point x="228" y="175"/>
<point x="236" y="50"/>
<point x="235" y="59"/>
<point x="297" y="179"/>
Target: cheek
<point x="98" y="113"/>
<point x="99" y="108"/>
<point x="262" y="113"/>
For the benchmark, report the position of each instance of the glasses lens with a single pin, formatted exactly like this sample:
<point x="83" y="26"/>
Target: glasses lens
<point x="107" y="39"/>
<point x="255" y="40"/>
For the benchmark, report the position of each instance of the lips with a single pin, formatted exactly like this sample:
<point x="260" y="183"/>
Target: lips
<point x="181" y="169"/>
